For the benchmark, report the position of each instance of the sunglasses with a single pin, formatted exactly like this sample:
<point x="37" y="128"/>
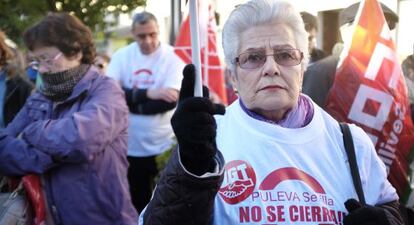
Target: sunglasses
<point x="255" y="59"/>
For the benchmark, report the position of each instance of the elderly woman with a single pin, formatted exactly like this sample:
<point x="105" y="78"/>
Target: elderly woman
<point x="73" y="130"/>
<point x="284" y="156"/>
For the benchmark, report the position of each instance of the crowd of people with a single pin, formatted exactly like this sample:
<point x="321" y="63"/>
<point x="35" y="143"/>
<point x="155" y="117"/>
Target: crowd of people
<point x="90" y="126"/>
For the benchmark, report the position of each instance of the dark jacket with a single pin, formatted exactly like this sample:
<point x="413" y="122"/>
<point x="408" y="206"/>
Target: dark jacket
<point x="79" y="146"/>
<point x="318" y="79"/>
<point x="18" y="90"/>
<point x="181" y="198"/>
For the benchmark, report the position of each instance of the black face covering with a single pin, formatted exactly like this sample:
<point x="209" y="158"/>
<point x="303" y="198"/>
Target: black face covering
<point x="58" y="86"/>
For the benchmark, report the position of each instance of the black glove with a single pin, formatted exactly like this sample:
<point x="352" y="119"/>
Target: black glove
<point x="195" y="127"/>
<point x="364" y="215"/>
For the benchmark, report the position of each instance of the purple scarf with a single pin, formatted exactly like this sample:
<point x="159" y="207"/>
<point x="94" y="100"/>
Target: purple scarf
<point x="298" y="116"/>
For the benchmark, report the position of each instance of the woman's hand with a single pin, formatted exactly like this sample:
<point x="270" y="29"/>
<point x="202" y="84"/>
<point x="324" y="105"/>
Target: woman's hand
<point x="364" y="215"/>
<point x="195" y="127"/>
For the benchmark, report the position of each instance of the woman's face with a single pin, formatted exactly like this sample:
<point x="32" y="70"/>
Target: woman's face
<point x="271" y="89"/>
<point x="51" y="60"/>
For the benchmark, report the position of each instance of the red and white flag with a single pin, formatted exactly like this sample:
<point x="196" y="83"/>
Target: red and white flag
<point x="212" y="70"/>
<point x="369" y="90"/>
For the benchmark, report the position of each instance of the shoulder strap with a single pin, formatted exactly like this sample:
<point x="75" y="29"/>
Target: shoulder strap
<point x="350" y="151"/>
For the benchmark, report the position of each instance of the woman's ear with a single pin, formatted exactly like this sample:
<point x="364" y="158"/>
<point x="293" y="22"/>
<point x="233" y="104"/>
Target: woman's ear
<point x="78" y="56"/>
<point x="233" y="80"/>
<point x="301" y="81"/>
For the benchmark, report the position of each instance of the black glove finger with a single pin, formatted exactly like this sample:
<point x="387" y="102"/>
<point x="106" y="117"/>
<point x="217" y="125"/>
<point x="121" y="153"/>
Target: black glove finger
<point x="219" y="109"/>
<point x="198" y="135"/>
<point x="203" y="133"/>
<point x="206" y="92"/>
<point x="352" y="205"/>
<point x="195" y="104"/>
<point x="201" y="119"/>
<point x="205" y="151"/>
<point x="195" y="127"/>
<point x="187" y="84"/>
<point x="198" y="119"/>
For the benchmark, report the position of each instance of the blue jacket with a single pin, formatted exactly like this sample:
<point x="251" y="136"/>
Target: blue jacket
<point x="79" y="146"/>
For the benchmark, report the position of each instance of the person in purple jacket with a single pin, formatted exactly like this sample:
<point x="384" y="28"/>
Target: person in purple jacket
<point x="73" y="130"/>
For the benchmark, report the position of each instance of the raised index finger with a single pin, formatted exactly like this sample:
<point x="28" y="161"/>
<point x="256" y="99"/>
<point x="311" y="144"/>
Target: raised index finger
<point x="187" y="85"/>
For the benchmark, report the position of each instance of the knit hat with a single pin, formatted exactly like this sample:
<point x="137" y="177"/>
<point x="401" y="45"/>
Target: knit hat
<point x="348" y="14"/>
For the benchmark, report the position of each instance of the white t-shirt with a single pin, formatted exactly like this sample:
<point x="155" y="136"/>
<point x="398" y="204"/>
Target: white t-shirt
<point x="148" y="134"/>
<point x="276" y="175"/>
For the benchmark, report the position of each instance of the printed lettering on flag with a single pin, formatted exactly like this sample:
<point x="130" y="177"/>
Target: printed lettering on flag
<point x="212" y="70"/>
<point x="369" y="90"/>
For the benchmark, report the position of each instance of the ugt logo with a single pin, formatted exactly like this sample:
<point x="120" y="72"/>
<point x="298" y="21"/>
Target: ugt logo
<point x="239" y="182"/>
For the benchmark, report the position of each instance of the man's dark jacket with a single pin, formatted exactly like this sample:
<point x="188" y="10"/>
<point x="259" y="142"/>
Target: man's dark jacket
<point x="318" y="79"/>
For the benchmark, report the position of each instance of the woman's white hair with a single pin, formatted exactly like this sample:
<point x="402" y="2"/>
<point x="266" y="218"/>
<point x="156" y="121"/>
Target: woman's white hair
<point x="258" y="12"/>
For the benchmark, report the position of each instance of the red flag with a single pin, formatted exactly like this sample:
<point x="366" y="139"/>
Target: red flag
<point x="212" y="70"/>
<point x="369" y="90"/>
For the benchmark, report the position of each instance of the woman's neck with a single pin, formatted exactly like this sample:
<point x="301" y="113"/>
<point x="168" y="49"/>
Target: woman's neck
<point x="274" y="116"/>
<point x="298" y="116"/>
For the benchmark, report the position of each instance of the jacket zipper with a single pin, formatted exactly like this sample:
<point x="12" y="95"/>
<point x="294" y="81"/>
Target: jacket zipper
<point x="53" y="209"/>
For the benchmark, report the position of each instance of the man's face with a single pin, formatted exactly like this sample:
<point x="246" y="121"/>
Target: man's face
<point x="146" y="36"/>
<point x="312" y="39"/>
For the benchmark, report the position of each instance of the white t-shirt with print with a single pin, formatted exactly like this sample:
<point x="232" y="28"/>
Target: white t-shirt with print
<point x="276" y="175"/>
<point x="148" y="134"/>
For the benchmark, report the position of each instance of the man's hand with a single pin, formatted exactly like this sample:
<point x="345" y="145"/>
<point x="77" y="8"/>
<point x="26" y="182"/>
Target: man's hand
<point x="167" y="94"/>
<point x="364" y="215"/>
<point x="195" y="127"/>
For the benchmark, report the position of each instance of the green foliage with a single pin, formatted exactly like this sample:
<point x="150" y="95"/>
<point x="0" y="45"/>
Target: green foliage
<point x="162" y="160"/>
<point x="17" y="15"/>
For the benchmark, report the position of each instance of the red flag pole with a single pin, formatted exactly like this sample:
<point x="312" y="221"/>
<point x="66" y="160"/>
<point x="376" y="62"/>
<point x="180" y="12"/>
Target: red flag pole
<point x="195" y="48"/>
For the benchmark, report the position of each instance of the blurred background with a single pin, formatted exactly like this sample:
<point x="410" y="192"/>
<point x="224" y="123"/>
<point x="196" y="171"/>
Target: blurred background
<point x="110" y="20"/>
